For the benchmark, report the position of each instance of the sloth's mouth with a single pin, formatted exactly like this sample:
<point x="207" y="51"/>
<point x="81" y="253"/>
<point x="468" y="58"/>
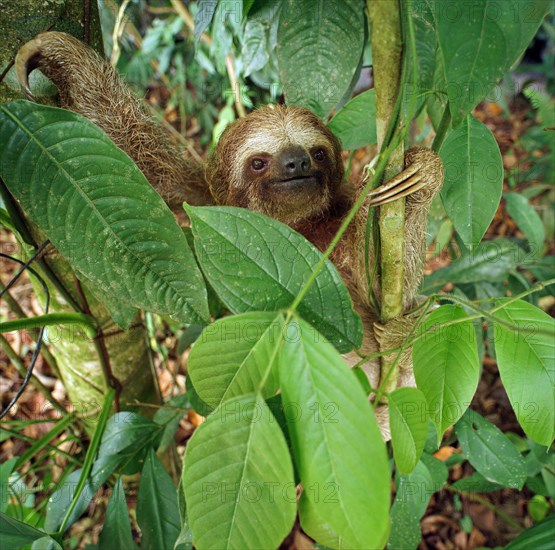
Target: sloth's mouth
<point x="290" y="184"/>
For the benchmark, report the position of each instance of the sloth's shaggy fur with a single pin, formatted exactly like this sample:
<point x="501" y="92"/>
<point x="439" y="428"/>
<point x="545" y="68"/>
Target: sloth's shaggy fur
<point x="92" y="88"/>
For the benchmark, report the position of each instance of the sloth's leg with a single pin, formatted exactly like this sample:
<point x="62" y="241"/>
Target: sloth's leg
<point x="91" y="87"/>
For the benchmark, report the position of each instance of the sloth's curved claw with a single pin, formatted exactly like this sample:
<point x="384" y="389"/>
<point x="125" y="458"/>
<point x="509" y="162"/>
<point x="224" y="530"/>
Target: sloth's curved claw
<point x="26" y="61"/>
<point x="407" y="182"/>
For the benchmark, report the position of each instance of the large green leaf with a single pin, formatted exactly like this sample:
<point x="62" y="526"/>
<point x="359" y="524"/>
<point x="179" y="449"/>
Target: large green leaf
<point x="320" y="43"/>
<point x="526" y="217"/>
<point x="157" y="511"/>
<point x="256" y="263"/>
<point x="98" y="210"/>
<point x="355" y="123"/>
<point x="490" y="261"/>
<point x="473" y="178"/>
<point x="408" y="421"/>
<point x="526" y="361"/>
<point x="337" y="446"/>
<point x="446" y="365"/>
<point x="235" y="356"/>
<point x="480" y="42"/>
<point x="238" y="478"/>
<point x="490" y="451"/>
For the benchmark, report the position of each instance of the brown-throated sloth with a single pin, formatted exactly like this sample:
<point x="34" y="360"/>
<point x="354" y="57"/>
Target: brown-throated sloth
<point x="281" y="161"/>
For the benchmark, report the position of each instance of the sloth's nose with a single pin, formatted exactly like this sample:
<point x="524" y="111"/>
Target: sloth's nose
<point x="295" y="162"/>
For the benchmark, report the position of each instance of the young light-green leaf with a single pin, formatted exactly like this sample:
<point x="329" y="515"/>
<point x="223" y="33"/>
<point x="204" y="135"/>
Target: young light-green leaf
<point x="446" y="365"/>
<point x="238" y="478"/>
<point x="256" y="263"/>
<point x="319" y="48"/>
<point x="408" y="420"/>
<point x="490" y="451"/>
<point x="473" y="178"/>
<point x="235" y="356"/>
<point x="526" y="361"/>
<point x="355" y="123"/>
<point x="328" y="414"/>
<point x="98" y="210"/>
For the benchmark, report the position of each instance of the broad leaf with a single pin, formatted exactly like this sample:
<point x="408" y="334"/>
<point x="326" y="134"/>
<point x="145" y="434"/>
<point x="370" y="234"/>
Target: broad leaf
<point x="446" y="365"/>
<point x="355" y="123"/>
<point x="319" y="47"/>
<point x="98" y="210"/>
<point x="319" y="530"/>
<point x="480" y="43"/>
<point x="238" y="478"/>
<point x="157" y="511"/>
<point x="235" y="356"/>
<point x="473" y="178"/>
<point x="490" y="451"/>
<point x="526" y="361"/>
<point x="255" y="263"/>
<point x="116" y="532"/>
<point x="476" y="483"/>
<point x="14" y="534"/>
<point x="126" y="429"/>
<point x="526" y="217"/>
<point x="127" y="438"/>
<point x="413" y="494"/>
<point x="408" y="420"/>
<point x="490" y="261"/>
<point x="60" y="501"/>
<point x="328" y="413"/>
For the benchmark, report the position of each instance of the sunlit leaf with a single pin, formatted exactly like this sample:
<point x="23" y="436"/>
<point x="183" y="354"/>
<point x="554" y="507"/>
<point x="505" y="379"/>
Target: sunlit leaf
<point x="238" y="478"/>
<point x="446" y="365"/>
<point x="327" y="412"/>
<point x="526" y="361"/>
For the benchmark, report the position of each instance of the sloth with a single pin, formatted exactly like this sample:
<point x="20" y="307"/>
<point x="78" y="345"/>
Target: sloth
<point x="279" y="160"/>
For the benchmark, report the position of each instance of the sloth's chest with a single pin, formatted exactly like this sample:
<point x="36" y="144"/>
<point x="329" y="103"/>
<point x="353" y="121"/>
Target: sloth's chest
<point x="321" y="232"/>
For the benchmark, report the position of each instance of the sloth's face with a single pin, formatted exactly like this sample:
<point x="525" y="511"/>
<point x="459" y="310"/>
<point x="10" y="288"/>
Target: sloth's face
<point x="281" y="161"/>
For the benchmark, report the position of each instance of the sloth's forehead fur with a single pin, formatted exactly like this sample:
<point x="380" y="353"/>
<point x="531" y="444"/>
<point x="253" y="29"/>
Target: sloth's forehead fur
<point x="270" y="129"/>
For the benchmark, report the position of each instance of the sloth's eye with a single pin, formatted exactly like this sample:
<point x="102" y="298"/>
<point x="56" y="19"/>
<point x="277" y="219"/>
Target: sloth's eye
<point x="319" y="155"/>
<point x="258" y="164"/>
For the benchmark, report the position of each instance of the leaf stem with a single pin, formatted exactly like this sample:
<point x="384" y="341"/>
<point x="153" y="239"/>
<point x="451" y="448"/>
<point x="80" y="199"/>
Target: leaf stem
<point x="442" y="129"/>
<point x="87" y="322"/>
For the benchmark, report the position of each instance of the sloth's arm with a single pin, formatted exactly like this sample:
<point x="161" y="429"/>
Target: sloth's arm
<point x="418" y="182"/>
<point x="91" y="87"/>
